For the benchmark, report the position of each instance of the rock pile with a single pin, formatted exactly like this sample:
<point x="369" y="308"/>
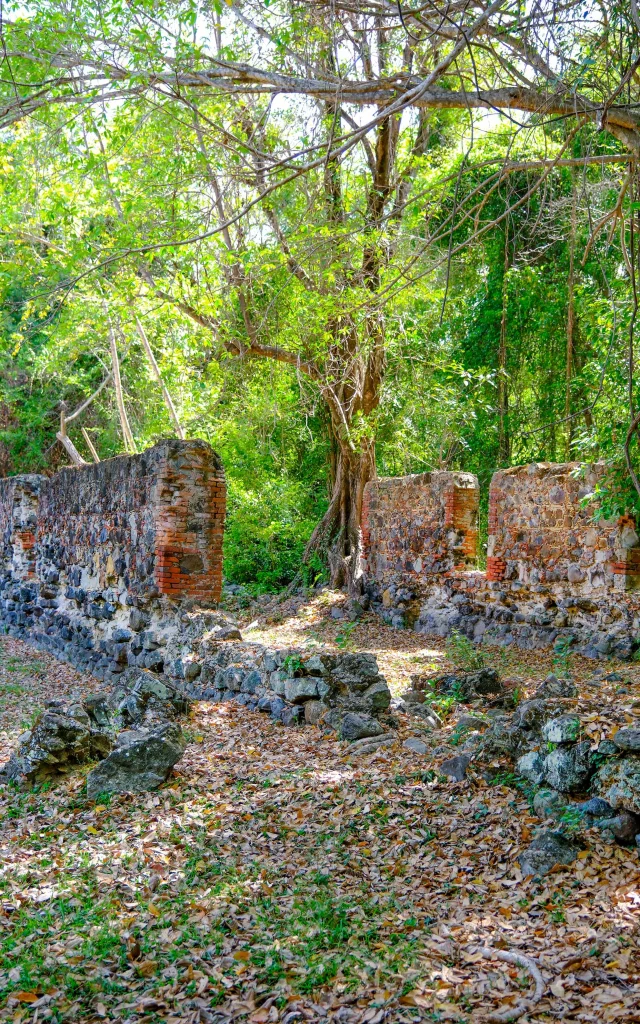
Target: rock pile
<point x="553" y="755"/>
<point x="133" y="731"/>
<point x="341" y="692"/>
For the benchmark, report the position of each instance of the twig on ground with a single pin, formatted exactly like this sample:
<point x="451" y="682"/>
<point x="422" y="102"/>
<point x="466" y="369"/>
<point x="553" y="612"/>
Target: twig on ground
<point x="525" y="1005"/>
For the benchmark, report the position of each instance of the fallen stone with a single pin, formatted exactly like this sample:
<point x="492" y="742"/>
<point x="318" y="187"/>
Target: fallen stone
<point x="568" y="768"/>
<point x="531" y="767"/>
<point x="554" y="687"/>
<point x="357" y="727"/>
<point x="564" y="729"/>
<point x="545" y="852"/>
<point x="455" y="767"/>
<point x="415" y="744"/>
<point x="547" y="803"/>
<point x="618" y="782"/>
<point x="141" y="761"/>
<point x="313" y="711"/>
<point x="59" y="739"/>
<point x="624" y="826"/>
<point x="628" y="739"/>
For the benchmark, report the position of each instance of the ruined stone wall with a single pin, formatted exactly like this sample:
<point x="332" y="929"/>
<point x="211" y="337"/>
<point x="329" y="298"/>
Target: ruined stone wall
<point x="143" y="525"/>
<point x="552" y="572"/>
<point x="419" y="525"/>
<point x="96" y="559"/>
<point x="541" y="530"/>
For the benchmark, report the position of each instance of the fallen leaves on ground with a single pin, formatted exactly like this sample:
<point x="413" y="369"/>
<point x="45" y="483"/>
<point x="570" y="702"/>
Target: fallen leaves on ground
<point x="274" y="878"/>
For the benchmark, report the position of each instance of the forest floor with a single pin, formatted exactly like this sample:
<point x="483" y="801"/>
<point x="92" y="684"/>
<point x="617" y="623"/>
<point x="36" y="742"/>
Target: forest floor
<point x="273" y="878"/>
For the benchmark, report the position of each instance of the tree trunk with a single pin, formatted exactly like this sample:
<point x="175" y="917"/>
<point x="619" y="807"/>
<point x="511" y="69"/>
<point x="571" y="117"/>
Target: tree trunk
<point x="338" y="537"/>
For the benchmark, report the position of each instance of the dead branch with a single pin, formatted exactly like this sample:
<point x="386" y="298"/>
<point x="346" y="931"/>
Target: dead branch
<point x="525" y="1005"/>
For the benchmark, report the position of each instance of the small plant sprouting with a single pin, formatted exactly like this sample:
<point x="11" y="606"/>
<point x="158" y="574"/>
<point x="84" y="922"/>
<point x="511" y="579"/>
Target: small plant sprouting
<point x="462" y="652"/>
<point x="343" y="638"/>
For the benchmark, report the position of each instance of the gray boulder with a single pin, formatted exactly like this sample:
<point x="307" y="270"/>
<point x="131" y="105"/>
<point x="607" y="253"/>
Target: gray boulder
<point x="545" y="852"/>
<point x="564" y="729"/>
<point x="357" y="727"/>
<point x="618" y="782"/>
<point x="141" y="761"/>
<point x="59" y="739"/>
<point x="628" y="740"/>
<point x="568" y="768"/>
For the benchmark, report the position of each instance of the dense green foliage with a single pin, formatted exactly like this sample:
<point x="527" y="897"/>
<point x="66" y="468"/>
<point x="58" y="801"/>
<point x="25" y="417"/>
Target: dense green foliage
<point x="478" y="310"/>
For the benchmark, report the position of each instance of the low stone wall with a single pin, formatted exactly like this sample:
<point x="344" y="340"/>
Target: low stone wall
<point x="420" y="525"/>
<point x="553" y="573"/>
<point x="111" y="568"/>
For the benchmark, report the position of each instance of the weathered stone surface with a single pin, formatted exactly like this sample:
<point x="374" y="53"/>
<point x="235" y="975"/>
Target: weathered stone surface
<point x="565" y="729"/>
<point x="531" y="767"/>
<point x="357" y="727"/>
<point x="59" y="739"/>
<point x="568" y="768"/>
<point x="455" y="767"/>
<point x="628" y="740"/>
<point x="141" y="761"/>
<point x="416" y="745"/>
<point x="554" y="687"/>
<point x="421" y="524"/>
<point x="545" y="852"/>
<point x="618" y="782"/>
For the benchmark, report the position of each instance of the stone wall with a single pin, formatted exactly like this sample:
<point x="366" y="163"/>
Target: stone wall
<point x="420" y="525"/>
<point x="553" y="573"/>
<point x="94" y="558"/>
<point x="542" y="531"/>
<point x="111" y="567"/>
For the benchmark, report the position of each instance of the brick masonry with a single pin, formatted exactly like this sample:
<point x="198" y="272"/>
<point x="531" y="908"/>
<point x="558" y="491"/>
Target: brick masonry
<point x="552" y="571"/>
<point x="420" y="525"/>
<point x="90" y="550"/>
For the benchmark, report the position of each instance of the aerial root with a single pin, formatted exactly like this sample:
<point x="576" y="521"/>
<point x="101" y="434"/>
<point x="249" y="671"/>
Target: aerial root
<point x="525" y="1005"/>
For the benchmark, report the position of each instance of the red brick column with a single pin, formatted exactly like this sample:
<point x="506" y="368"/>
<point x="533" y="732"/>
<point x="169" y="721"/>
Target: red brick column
<point x="189" y="522"/>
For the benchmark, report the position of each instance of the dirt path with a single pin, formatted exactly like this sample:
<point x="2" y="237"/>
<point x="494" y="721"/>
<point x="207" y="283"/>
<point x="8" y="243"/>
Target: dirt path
<point x="275" y="880"/>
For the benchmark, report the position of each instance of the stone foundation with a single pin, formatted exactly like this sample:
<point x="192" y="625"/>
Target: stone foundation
<point x="553" y="573"/>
